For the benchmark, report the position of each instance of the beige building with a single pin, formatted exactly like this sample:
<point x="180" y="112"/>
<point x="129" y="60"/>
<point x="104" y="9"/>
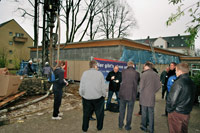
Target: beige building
<point x="14" y="43"/>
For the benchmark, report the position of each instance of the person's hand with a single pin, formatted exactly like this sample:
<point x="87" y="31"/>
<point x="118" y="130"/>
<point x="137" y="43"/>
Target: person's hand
<point x="67" y="83"/>
<point x="117" y="81"/>
<point x="113" y="77"/>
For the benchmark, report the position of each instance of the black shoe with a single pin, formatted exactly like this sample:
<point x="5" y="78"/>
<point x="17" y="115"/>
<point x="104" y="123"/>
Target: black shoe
<point x="92" y="119"/>
<point x="144" y="129"/>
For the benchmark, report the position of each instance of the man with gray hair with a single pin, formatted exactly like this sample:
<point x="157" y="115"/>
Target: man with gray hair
<point x="127" y="94"/>
<point x="93" y="91"/>
<point x="149" y="85"/>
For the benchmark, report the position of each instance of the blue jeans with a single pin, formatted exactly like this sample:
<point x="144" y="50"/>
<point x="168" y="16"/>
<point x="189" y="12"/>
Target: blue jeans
<point x="148" y="115"/>
<point x="110" y="94"/>
<point x="122" y="110"/>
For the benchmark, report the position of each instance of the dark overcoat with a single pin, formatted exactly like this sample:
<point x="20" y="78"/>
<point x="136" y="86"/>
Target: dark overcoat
<point x="149" y="85"/>
<point x="129" y="84"/>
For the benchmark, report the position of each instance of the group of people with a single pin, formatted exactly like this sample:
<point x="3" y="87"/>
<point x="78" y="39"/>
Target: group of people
<point x="125" y="84"/>
<point x="58" y="84"/>
<point x="175" y="81"/>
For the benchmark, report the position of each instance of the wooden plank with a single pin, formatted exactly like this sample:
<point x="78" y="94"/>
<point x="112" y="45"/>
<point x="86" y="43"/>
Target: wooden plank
<point x="11" y="98"/>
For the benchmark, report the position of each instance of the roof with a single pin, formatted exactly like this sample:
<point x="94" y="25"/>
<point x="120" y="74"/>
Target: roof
<point x="2" y="24"/>
<point x="148" y="40"/>
<point x="177" y="41"/>
<point x="190" y="58"/>
<point x="172" y="41"/>
<point x="114" y="42"/>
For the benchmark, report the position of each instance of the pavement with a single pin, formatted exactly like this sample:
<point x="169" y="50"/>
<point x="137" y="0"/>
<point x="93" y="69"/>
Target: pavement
<point x="72" y="121"/>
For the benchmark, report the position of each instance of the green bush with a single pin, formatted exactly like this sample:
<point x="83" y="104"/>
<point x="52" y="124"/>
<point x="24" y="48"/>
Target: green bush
<point x="2" y="62"/>
<point x="196" y="80"/>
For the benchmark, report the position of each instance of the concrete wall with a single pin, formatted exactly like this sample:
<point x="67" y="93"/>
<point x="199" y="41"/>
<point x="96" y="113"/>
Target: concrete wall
<point x="111" y="52"/>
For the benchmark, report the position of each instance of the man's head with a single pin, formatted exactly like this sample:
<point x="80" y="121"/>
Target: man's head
<point x="182" y="68"/>
<point x="167" y="69"/>
<point x="172" y="66"/>
<point x="116" y="68"/>
<point x="130" y="64"/>
<point x="46" y="63"/>
<point x="148" y="65"/>
<point x="93" y="64"/>
<point x="62" y="64"/>
<point x="30" y="61"/>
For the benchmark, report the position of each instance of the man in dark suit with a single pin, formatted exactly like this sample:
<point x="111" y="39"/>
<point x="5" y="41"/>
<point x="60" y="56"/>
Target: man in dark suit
<point x="127" y="94"/>
<point x="114" y="77"/>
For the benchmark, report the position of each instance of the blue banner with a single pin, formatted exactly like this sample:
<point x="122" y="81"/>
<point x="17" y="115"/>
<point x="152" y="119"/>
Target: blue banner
<point x="105" y="65"/>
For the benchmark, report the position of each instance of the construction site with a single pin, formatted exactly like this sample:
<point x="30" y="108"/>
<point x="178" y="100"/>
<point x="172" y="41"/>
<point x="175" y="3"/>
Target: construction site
<point x="26" y="101"/>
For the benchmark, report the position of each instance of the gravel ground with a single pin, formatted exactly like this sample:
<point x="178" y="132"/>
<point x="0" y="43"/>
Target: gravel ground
<point x="36" y="118"/>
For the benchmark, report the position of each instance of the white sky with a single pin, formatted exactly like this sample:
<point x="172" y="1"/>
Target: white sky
<point x="151" y="16"/>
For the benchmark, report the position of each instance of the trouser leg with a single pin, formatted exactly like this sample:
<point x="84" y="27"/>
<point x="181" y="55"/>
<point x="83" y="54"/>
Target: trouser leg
<point x="122" y="109"/>
<point x="117" y="95"/>
<point x="87" y="110"/>
<point x="129" y="115"/>
<point x="110" y="94"/>
<point x="164" y="89"/>
<point x="99" y="111"/>
<point x="144" y="117"/>
<point x="57" y="101"/>
<point x="151" y="119"/>
<point x="166" y="113"/>
<point x="178" y="123"/>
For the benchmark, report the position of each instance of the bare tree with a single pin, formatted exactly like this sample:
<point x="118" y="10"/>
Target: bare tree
<point x="116" y="20"/>
<point x="31" y="11"/>
<point x="79" y="17"/>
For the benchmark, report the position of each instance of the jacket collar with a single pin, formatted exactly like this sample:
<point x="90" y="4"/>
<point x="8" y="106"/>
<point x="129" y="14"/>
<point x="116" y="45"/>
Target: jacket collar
<point x="92" y="69"/>
<point x="130" y="67"/>
<point x="183" y="75"/>
<point x="148" y="70"/>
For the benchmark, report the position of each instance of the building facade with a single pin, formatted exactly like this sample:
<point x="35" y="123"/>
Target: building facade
<point x="173" y="43"/>
<point x="80" y="53"/>
<point x="14" y="43"/>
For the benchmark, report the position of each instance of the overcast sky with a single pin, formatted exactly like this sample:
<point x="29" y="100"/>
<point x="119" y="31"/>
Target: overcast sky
<point x="151" y="16"/>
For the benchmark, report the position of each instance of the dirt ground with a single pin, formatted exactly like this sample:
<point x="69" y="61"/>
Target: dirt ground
<point x="39" y="120"/>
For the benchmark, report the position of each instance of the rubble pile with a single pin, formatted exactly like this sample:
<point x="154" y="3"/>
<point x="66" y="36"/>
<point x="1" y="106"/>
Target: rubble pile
<point x="34" y="86"/>
<point x="71" y="100"/>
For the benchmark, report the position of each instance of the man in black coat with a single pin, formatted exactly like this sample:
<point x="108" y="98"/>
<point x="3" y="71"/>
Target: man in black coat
<point x="180" y="100"/>
<point x="171" y="72"/>
<point x="114" y="77"/>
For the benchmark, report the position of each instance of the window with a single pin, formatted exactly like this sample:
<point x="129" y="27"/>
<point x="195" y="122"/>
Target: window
<point x="10" y="33"/>
<point x="10" y="61"/>
<point x="19" y="34"/>
<point x="10" y="51"/>
<point x="182" y="45"/>
<point x="172" y="45"/>
<point x="10" y="43"/>
<point x="182" y="38"/>
<point x="172" y="38"/>
<point x="161" y="46"/>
